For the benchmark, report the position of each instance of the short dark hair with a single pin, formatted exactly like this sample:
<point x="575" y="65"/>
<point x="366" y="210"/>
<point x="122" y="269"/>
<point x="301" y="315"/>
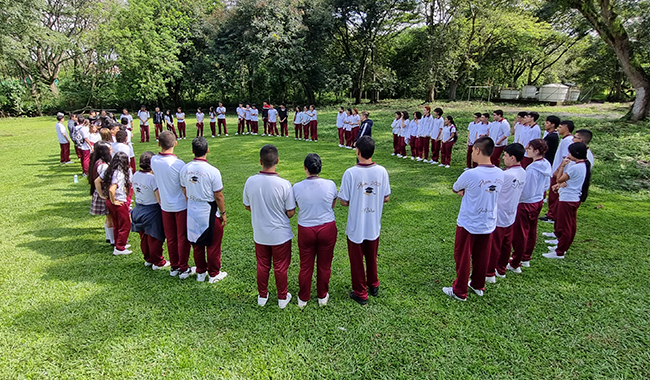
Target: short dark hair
<point x="438" y="111"/>
<point x="498" y="112"/>
<point x="477" y="114"/>
<point x="269" y="155"/>
<point x="313" y="163"/>
<point x="553" y="120"/>
<point x="487" y="115"/>
<point x="121" y="136"/>
<point x="585" y="135"/>
<point x="539" y="145"/>
<point x="417" y="114"/>
<point x="516" y="150"/>
<point x="534" y="115"/>
<point x="366" y="146"/>
<point x="485" y="145"/>
<point x="569" y="124"/>
<point x="166" y="139"/>
<point x="145" y="161"/>
<point x="522" y="114"/>
<point x="124" y="121"/>
<point x="199" y="146"/>
<point x="405" y="114"/>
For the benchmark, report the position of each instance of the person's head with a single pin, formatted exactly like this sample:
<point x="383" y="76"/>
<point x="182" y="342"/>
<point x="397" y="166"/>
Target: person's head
<point x="145" y="161"/>
<point x="551" y="123"/>
<point x="427" y="110"/>
<point x="297" y="108"/>
<point x="341" y="110"/>
<point x="166" y="140"/>
<point x="417" y="115"/>
<point x="497" y="115"/>
<point x="578" y="152"/>
<point x="313" y="164"/>
<point x="264" y="104"/>
<point x="124" y="121"/>
<point x="157" y="109"/>
<point x="477" y="117"/>
<point x="60" y="116"/>
<point x="365" y="147"/>
<point x="521" y="117"/>
<point x="211" y="109"/>
<point x="168" y="112"/>
<point x="364" y="115"/>
<point x="532" y="117"/>
<point x="92" y="113"/>
<point x="513" y="154"/>
<point x="483" y="147"/>
<point x="106" y="134"/>
<point x="485" y="118"/>
<point x="119" y="163"/>
<point x="565" y="128"/>
<point x="114" y="128"/>
<point x="82" y="120"/>
<point x="312" y="107"/>
<point x="405" y="115"/>
<point x="536" y="149"/>
<point x="103" y="113"/>
<point x="271" y="106"/>
<point x="198" y="110"/>
<point x="269" y="156"/>
<point x="398" y="115"/>
<point x="282" y="106"/>
<point x="583" y="136"/>
<point x="241" y="105"/>
<point x="449" y="120"/>
<point x="220" y="104"/>
<point x="122" y="127"/>
<point x="125" y="111"/>
<point x="121" y="136"/>
<point x="437" y="112"/>
<point x="355" y="111"/>
<point x="305" y="109"/>
<point x="143" y="108"/>
<point x="92" y="128"/>
<point x="248" y="105"/>
<point x="348" y="111"/>
<point x="74" y="117"/>
<point x="179" y="110"/>
<point x="254" y="106"/>
<point x="200" y="146"/>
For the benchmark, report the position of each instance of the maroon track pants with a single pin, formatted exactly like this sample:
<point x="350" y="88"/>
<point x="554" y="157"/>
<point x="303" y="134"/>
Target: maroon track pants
<point x="360" y="277"/>
<point x="470" y="251"/>
<point x="152" y="249"/>
<point x="280" y="257"/>
<point x="566" y="214"/>
<point x="501" y="248"/>
<point x="175" y="225"/>
<point x="121" y="223"/>
<point x="316" y="244"/>
<point x="211" y="264"/>
<point x="525" y="232"/>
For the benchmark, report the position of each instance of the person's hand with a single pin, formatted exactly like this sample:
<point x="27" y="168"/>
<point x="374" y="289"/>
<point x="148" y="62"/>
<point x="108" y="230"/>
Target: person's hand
<point x="223" y="220"/>
<point x="117" y="203"/>
<point x="565" y="161"/>
<point x="555" y="187"/>
<point x="461" y="193"/>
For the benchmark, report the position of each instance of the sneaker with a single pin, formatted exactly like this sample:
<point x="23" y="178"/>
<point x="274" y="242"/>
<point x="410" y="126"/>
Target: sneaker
<point x="399" y="155"/>
<point x="315" y="140"/>
<point x="283" y="303"/>
<point x="174" y="272"/>
<point x="301" y="303"/>
<point x="127" y="246"/>
<point x="549" y="234"/>
<point x="358" y="299"/>
<point x="286" y="136"/>
<point x="447" y="166"/>
<point x="323" y="301"/>
<point x="412" y="158"/>
<point x="188" y="272"/>
<point x="450" y="292"/>
<point x="147" y="264"/>
<point x="434" y="162"/>
<point x="491" y="279"/>
<point x="418" y="159"/>
<point x="69" y="162"/>
<point x="156" y="140"/>
<point x="200" y="277"/>
<point x="513" y="270"/>
<point x="552" y="255"/>
<point x="478" y="292"/>
<point x="374" y="291"/>
<point x="165" y="265"/>
<point x="554" y="241"/>
<point x="441" y="164"/>
<point x="218" y="277"/>
<point x="226" y="135"/>
<point x="392" y="154"/>
<point x="262" y="301"/>
<point x="500" y="275"/>
<point x="236" y="133"/>
<point x="84" y="175"/>
<point x="212" y="136"/>
<point x="404" y="157"/>
<point x="117" y="252"/>
<point x="552" y="248"/>
<point x="547" y="220"/>
<point x="525" y="264"/>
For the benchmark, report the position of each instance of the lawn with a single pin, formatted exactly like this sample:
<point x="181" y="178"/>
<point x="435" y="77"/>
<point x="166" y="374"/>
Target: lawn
<point x="69" y="309"/>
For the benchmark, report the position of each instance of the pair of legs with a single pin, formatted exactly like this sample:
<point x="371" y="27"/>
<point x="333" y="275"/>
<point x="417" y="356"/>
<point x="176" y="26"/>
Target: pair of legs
<point x="65" y="152"/>
<point x="565" y="225"/>
<point x="222" y="122"/>
<point x="471" y="251"/>
<point x="413" y="142"/>
<point x="175" y="225"/>
<point x="305" y="130"/>
<point x="363" y="278"/>
<point x="272" y="128"/>
<point x="280" y="257"/>
<point x="496" y="155"/>
<point x="181" y="129"/>
<point x="121" y="223"/>
<point x="158" y="129"/>
<point x="445" y="157"/>
<point x="313" y="125"/>
<point x="144" y="133"/>
<point x="84" y="155"/>
<point x="298" y="130"/>
<point x="500" y="251"/>
<point x="348" y="138"/>
<point x="316" y="244"/>
<point x="212" y="262"/>
<point x="152" y="249"/>
<point x="524" y="233"/>
<point x="435" y="149"/>
<point x="199" y="129"/>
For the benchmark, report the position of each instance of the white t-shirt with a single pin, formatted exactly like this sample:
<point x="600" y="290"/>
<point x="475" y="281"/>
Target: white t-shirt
<point x="447" y="130"/>
<point x="85" y="133"/>
<point x="498" y="130"/>
<point x="471" y="133"/>
<point x="438" y="123"/>
<point x="364" y="187"/>
<point x="200" y="180"/>
<point x="247" y="113"/>
<point x="94" y="137"/>
<point x="590" y="157"/>
<point x="240" y="113"/>
<point x="144" y="117"/>
<point x="314" y="197"/>
<point x="538" y="180"/>
<point x="273" y="115"/>
<point x="169" y="120"/>
<point x="480" y="129"/>
<point x="200" y="117"/>
<point x="269" y="198"/>
<point x="167" y="167"/>
<point x="213" y="117"/>
<point x="297" y="118"/>
<point x="528" y="134"/>
<point x="404" y="131"/>
<point x="221" y="112"/>
<point x="305" y="118"/>
<point x="61" y="133"/>
<point x="312" y="115"/>
<point x="129" y="142"/>
<point x="577" y="172"/>
<point x="562" y="151"/>
<point x="340" y="120"/>
<point x="120" y="147"/>
<point x="129" y="118"/>
<point x="119" y="180"/>
<point x="519" y="129"/>
<point x="427" y="125"/>
<point x="414" y="128"/>
<point x="180" y="117"/>
<point x="355" y="121"/>
<point x="254" y="114"/>
<point x="478" y="209"/>
<point x="144" y="186"/>
<point x="514" y="179"/>
<point x="395" y="125"/>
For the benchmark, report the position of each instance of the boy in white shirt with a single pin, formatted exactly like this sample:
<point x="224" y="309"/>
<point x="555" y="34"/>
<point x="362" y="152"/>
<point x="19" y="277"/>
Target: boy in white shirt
<point x="64" y="141"/>
<point x="306" y="123"/>
<point x="166" y="168"/>
<point x="255" y="126"/>
<point x="272" y="120"/>
<point x="271" y="202"/>
<point x="180" y="122"/>
<point x="477" y="220"/>
<point x="125" y="116"/>
<point x="206" y="216"/>
<point x="221" y="119"/>
<point x="144" y="117"/>
<point x="247" y="117"/>
<point x="471" y="138"/>
<point x="365" y="188"/>
<point x="565" y="129"/>
<point x="436" y="131"/>
<point x="199" y="122"/>
<point x="529" y="132"/>
<point x="241" y="119"/>
<point x="313" y="122"/>
<point x="499" y="132"/>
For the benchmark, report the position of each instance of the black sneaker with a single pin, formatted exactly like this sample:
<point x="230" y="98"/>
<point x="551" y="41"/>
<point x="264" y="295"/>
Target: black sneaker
<point x="544" y="218"/>
<point x="374" y="291"/>
<point x="360" y="301"/>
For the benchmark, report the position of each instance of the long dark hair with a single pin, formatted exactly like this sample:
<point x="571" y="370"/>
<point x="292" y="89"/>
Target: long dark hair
<point x="579" y="150"/>
<point x="120" y="162"/>
<point x="102" y="152"/>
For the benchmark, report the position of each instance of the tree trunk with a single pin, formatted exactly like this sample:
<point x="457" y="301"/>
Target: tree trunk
<point x="309" y="91"/>
<point x="453" y="88"/>
<point x="37" y="100"/>
<point x="357" y="87"/>
<point x="55" y="89"/>
<point x="431" y="94"/>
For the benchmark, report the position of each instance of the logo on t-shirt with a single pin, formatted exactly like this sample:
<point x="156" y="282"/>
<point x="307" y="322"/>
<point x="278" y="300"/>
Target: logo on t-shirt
<point x="492" y="188"/>
<point x="138" y="190"/>
<point x="369" y="190"/>
<point x="194" y="179"/>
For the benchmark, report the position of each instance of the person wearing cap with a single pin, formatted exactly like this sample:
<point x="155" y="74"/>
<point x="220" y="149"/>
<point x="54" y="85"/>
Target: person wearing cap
<point x="64" y="140"/>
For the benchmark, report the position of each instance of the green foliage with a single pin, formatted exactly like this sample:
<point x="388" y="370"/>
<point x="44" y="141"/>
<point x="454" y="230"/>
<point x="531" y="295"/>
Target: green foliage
<point x="11" y="97"/>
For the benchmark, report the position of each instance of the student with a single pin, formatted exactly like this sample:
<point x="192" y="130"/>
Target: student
<point x="364" y="186"/>
<point x="315" y="199"/>
<point x="283" y="115"/>
<point x="272" y="120"/>
<point x="340" y="127"/>
<point x="565" y="129"/>
<point x="448" y="138"/>
<point x="106" y="136"/>
<point x="477" y="220"/>
<point x="180" y="122"/>
<point x="99" y="161"/>
<point x="483" y="128"/>
<point x="72" y="122"/>
<point x="247" y="118"/>
<point x="116" y="189"/>
<point x="436" y="131"/>
<point x="355" y="121"/>
<point x="213" y="121"/>
<point x="530" y="131"/>
<point x="414" y="131"/>
<point x="241" y="119"/>
<point x="348" y="128"/>
<point x="166" y="168"/>
<point x="158" y="120"/>
<point x="524" y="238"/>
<point x="146" y="217"/>
<point x="471" y="138"/>
<point x="64" y="140"/>
<point x="514" y="178"/>
<point x="169" y="123"/>
<point x="366" y="126"/>
<point x="94" y="135"/>
<point x="427" y="128"/>
<point x="499" y="132"/>
<point x="270" y="200"/>
<point x="144" y="117"/>
<point x="313" y="122"/>
<point x="519" y="126"/>
<point x="206" y="212"/>
<point x="200" y="116"/>
<point x="254" y="120"/>
<point x="121" y="144"/>
<point x="573" y="177"/>
<point x="265" y="117"/>
<point x="85" y="147"/>
<point x="404" y="134"/>
<point x="126" y="116"/>
<point x="395" y="125"/>
<point x="585" y="136"/>
<point x="297" y="123"/>
<point x="306" y="123"/>
<point x="551" y="137"/>
<point x="221" y="119"/>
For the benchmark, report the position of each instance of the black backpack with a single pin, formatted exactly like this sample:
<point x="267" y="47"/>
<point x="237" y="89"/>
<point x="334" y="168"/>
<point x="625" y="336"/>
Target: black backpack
<point x="76" y="137"/>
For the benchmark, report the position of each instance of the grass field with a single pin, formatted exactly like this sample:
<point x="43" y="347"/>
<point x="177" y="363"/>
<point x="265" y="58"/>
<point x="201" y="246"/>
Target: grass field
<point x="69" y="309"/>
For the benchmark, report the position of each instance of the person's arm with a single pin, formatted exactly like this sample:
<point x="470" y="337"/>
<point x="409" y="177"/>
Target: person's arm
<point x="111" y="195"/>
<point x="221" y="204"/>
<point x="157" y="194"/>
<point x="345" y="203"/>
<point x="386" y="198"/>
<point x="98" y="186"/>
<point x="291" y="213"/>
<point x="501" y="139"/>
<point x="185" y="193"/>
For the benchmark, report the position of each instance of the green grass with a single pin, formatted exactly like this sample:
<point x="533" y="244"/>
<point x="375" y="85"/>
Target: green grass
<point x="69" y="309"/>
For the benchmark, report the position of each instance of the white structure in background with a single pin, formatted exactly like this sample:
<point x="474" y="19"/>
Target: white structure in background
<point x="529" y="92"/>
<point x="509" y="94"/>
<point x="574" y="94"/>
<point x="553" y="93"/>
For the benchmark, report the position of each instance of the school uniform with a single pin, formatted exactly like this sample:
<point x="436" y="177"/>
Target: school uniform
<point x="213" y="123"/>
<point x="180" y="122"/>
<point x="158" y="119"/>
<point x="204" y="228"/>
<point x="447" y="146"/>
<point x="272" y="121"/>
<point x="166" y="168"/>
<point x="306" y="123"/>
<point x="316" y="233"/>
<point x="131" y="153"/>
<point x="340" y="127"/>
<point x="566" y="210"/>
<point x="241" y="120"/>
<point x="255" y="120"/>
<point x="199" y="123"/>
<point x="169" y="122"/>
<point x="247" y="118"/>
<point x="414" y="129"/>
<point x="313" y="124"/>
<point x="477" y="220"/>
<point x="97" y="203"/>
<point x="356" y="119"/>
<point x="120" y="214"/>
<point x="146" y="218"/>
<point x="283" y="115"/>
<point x="404" y="134"/>
<point x="471" y="138"/>
<point x="269" y="197"/>
<point x="514" y="179"/>
<point x="527" y="134"/>
<point x="297" y="125"/>
<point x="364" y="186"/>
<point x="221" y="119"/>
<point x="265" y="117"/>
<point x="94" y="138"/>
<point x="499" y="130"/>
<point x="426" y="125"/>
<point x="144" y="125"/>
<point x="438" y="124"/>
<point x="538" y="178"/>
<point x="348" y="130"/>
<point x="553" y="141"/>
<point x="561" y="153"/>
<point x="365" y="129"/>
<point x="395" y="125"/>
<point x="63" y="142"/>
<point x="85" y="148"/>
<point x="129" y="126"/>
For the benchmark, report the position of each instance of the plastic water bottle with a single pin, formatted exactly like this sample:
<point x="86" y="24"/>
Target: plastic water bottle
<point x="76" y="178"/>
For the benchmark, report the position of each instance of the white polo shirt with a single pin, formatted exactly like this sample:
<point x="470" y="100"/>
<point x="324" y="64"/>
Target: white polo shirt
<point x="269" y="196"/>
<point x="200" y="180"/>
<point x="85" y="133"/>
<point x="478" y="209"/>
<point x="514" y="179"/>
<point x="129" y="118"/>
<point x="240" y="113"/>
<point x="414" y="128"/>
<point x="180" y="117"/>
<point x="273" y="115"/>
<point x="254" y="114"/>
<point x="364" y="187"/>
<point x="340" y="119"/>
<point x="119" y="180"/>
<point x="199" y="117"/>
<point x="213" y="117"/>
<point x="499" y="129"/>
<point x="471" y="133"/>
<point x="427" y="125"/>
<point x="61" y="133"/>
<point x="314" y="197"/>
<point x="562" y="151"/>
<point x="538" y="180"/>
<point x="577" y="172"/>
<point x="144" y="117"/>
<point x="528" y="134"/>
<point x="167" y="167"/>
<point x="144" y="186"/>
<point x="447" y="130"/>
<point x="221" y="112"/>
<point x="395" y="125"/>
<point x="480" y="129"/>
<point x="313" y="115"/>
<point x="438" y="123"/>
<point x="121" y="147"/>
<point x="247" y="113"/>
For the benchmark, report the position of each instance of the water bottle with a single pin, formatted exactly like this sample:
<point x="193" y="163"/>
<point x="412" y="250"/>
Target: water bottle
<point x="76" y="178"/>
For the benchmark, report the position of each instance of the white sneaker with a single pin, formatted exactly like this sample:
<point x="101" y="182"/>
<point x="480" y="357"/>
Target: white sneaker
<point x="441" y="164"/>
<point x="525" y="264"/>
<point x="315" y="140"/>
<point x="392" y="154"/>
<point x="147" y="264"/>
<point x="514" y="270"/>
<point x="262" y="301"/>
<point x="173" y="272"/>
<point x="447" y="166"/>
<point x="156" y="267"/>
<point x="301" y="303"/>
<point x="117" y="252"/>
<point x="323" y="301"/>
<point x="477" y="291"/>
<point x="283" y="303"/>
<point x="156" y="140"/>
<point x="236" y="133"/>
<point x="549" y="234"/>
<point x="405" y="157"/>
<point x="500" y="275"/>
<point x="226" y="135"/>
<point x="263" y="134"/>
<point x="218" y="277"/>
<point x="552" y="248"/>
<point x="190" y="271"/>
<point x="127" y="246"/>
<point x="200" y="277"/>
<point x="412" y="158"/>
<point x="399" y="155"/>
<point x="212" y="136"/>
<point x="450" y="292"/>
<point x="553" y="255"/>
<point x="434" y="162"/>
<point x="69" y="162"/>
<point x="491" y="279"/>
<point x="418" y="159"/>
<point x="554" y="241"/>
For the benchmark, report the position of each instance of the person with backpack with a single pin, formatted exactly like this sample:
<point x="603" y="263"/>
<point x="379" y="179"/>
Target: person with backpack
<point x="80" y="138"/>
